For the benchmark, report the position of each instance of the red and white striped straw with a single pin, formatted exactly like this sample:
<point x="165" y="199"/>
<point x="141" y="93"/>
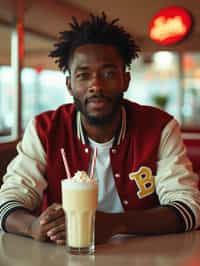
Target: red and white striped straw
<point x="92" y="168"/>
<point x="65" y="163"/>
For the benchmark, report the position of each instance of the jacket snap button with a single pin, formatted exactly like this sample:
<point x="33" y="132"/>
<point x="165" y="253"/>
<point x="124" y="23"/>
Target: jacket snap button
<point x="125" y="202"/>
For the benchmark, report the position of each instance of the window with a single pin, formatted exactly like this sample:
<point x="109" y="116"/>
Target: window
<point x="6" y="103"/>
<point x="155" y="81"/>
<point x="191" y="107"/>
<point x="42" y="90"/>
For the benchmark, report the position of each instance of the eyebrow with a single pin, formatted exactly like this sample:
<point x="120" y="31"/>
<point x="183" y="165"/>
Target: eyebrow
<point x="109" y="66"/>
<point x="81" y="68"/>
<point x="85" y="68"/>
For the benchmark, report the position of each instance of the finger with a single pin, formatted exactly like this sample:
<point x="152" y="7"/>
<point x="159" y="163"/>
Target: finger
<point x="55" y="230"/>
<point x="51" y="215"/>
<point x="60" y="242"/>
<point x="56" y="213"/>
<point x="57" y="222"/>
<point x="53" y="207"/>
<point x="53" y="224"/>
<point x="56" y="206"/>
<point x="58" y="236"/>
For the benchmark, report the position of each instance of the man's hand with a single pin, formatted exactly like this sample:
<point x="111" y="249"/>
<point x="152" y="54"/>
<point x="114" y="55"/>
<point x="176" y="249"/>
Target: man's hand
<point x="105" y="227"/>
<point x="49" y="225"/>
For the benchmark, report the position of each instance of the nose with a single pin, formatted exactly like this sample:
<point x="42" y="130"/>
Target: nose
<point x="96" y="84"/>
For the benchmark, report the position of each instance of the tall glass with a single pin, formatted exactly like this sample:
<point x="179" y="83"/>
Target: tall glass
<point x="79" y="201"/>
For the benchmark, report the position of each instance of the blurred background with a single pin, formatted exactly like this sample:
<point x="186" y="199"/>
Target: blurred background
<point x="165" y="75"/>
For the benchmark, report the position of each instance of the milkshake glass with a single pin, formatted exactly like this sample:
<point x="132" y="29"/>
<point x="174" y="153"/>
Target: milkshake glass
<point x="79" y="201"/>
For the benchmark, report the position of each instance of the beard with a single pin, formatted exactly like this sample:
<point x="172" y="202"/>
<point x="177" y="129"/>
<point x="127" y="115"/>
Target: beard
<point x="101" y="120"/>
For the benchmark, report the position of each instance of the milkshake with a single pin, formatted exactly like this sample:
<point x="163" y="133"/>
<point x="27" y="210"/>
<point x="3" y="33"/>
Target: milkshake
<point x="79" y="201"/>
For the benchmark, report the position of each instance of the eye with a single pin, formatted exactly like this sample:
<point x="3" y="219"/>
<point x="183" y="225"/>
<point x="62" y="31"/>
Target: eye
<point x="109" y="74"/>
<point x="83" y="76"/>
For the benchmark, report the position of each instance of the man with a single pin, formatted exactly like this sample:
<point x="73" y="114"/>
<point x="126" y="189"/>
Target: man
<point x="146" y="183"/>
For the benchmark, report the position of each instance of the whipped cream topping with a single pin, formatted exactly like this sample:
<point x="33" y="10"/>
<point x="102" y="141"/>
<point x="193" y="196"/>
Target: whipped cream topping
<point x="80" y="180"/>
<point x="81" y="176"/>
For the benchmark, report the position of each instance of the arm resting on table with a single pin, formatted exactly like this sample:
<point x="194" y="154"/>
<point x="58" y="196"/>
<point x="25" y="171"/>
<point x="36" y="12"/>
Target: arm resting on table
<point x="19" y="222"/>
<point x="49" y="225"/>
<point x="161" y="220"/>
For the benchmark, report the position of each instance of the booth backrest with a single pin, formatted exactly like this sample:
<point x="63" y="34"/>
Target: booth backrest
<point x="7" y="153"/>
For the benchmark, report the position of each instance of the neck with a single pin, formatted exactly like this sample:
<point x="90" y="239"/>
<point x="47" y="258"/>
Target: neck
<point x="102" y="133"/>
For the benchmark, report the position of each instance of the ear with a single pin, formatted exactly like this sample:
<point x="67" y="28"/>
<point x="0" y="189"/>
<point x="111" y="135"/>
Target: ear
<point x="127" y="78"/>
<point x="68" y="84"/>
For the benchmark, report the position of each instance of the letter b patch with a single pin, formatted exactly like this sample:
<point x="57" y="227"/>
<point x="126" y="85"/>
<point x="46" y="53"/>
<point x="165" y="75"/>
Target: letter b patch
<point x="144" y="181"/>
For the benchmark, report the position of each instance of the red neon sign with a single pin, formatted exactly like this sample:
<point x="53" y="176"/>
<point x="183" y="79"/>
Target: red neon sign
<point x="170" y="25"/>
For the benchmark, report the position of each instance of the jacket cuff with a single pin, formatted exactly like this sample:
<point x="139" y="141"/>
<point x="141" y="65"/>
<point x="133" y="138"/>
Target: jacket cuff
<point x="185" y="213"/>
<point x="6" y="209"/>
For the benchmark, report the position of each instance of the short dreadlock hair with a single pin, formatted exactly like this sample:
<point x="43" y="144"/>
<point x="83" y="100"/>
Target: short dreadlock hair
<point x="95" y="30"/>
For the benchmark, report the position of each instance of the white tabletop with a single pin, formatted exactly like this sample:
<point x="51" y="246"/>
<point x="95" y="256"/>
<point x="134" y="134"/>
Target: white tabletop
<point x="166" y="250"/>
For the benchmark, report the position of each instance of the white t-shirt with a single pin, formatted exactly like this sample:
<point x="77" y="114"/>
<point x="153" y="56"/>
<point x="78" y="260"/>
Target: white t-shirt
<point x="108" y="198"/>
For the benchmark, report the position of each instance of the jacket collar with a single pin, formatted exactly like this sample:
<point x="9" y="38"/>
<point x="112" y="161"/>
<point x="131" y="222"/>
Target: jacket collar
<point x="118" y="137"/>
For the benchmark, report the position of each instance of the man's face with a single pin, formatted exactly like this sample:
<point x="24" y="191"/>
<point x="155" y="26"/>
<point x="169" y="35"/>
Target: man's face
<point x="97" y="82"/>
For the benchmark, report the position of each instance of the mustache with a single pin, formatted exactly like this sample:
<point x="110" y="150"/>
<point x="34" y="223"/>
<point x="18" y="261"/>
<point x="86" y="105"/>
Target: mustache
<point x="97" y="97"/>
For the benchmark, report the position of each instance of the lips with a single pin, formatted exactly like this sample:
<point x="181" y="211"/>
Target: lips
<point x="97" y="102"/>
<point x="97" y="99"/>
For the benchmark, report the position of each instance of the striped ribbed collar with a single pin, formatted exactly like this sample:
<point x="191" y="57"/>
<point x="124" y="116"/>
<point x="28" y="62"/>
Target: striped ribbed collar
<point x="119" y="136"/>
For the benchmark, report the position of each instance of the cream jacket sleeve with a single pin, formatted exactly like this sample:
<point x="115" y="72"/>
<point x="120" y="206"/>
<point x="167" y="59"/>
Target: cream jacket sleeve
<point x="24" y="182"/>
<point x="175" y="182"/>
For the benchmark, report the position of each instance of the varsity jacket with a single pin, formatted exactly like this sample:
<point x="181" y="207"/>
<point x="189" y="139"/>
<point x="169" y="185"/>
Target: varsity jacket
<point x="134" y="159"/>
